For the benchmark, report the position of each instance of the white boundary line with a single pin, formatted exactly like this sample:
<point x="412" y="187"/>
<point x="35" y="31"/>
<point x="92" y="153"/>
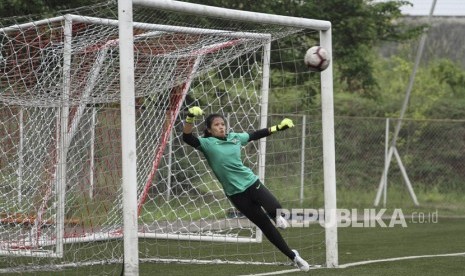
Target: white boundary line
<point x="361" y="263"/>
<point x="275" y="272"/>
<point x="400" y="259"/>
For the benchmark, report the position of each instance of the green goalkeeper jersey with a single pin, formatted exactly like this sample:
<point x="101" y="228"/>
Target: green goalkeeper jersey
<point x="224" y="157"/>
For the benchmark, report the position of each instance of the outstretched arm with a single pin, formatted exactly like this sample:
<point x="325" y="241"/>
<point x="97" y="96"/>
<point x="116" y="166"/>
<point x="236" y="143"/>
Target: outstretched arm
<point x="187" y="135"/>
<point x="285" y="124"/>
<point x="259" y="134"/>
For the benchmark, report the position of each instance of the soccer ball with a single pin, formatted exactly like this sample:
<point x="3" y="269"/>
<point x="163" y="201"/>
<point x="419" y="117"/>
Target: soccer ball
<point x="317" y="59"/>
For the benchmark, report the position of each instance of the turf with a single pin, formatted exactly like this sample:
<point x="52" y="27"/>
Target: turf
<point x="362" y="244"/>
<point x="355" y="245"/>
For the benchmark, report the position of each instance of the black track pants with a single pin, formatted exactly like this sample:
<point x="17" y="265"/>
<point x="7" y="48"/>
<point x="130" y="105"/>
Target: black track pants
<point x="250" y="203"/>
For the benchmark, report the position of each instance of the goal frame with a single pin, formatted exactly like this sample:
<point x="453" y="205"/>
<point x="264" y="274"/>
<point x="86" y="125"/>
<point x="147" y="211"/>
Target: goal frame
<point x="68" y="126"/>
<point x="128" y="118"/>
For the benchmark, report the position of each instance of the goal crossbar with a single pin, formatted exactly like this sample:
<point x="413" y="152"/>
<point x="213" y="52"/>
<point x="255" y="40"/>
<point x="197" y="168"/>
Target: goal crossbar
<point x="253" y="17"/>
<point x="139" y="25"/>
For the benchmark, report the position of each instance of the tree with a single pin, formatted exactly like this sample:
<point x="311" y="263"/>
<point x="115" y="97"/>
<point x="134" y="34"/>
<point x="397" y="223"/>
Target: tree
<point x="26" y="7"/>
<point x="437" y="92"/>
<point x="358" y="26"/>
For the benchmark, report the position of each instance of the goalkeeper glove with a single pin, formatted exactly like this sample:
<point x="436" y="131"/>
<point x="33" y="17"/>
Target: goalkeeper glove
<point x="193" y="112"/>
<point x="285" y="124"/>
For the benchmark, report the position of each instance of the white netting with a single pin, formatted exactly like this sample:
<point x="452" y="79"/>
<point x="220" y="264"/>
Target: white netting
<point x="59" y="94"/>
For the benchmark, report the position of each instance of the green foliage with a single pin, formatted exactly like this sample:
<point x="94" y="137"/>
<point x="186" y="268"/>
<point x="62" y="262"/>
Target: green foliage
<point x="22" y="7"/>
<point x="25" y="7"/>
<point x="447" y="108"/>
<point x="358" y="26"/>
<point x="450" y="73"/>
<point x="356" y="105"/>
<point x="437" y="91"/>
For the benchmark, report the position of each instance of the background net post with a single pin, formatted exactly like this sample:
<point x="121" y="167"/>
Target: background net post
<point x="128" y="138"/>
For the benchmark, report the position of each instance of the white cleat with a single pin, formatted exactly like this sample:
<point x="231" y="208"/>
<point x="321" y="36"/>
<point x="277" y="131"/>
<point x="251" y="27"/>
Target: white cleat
<point x="281" y="222"/>
<point x="300" y="263"/>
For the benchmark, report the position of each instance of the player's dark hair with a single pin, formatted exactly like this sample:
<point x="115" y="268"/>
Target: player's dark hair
<point x="209" y="122"/>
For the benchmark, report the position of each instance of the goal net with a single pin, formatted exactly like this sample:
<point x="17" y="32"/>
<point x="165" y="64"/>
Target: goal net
<point x="60" y="137"/>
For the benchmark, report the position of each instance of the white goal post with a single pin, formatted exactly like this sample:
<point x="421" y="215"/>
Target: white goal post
<point x="93" y="170"/>
<point x="324" y="27"/>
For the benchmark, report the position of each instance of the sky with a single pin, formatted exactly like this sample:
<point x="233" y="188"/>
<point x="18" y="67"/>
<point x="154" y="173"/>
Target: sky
<point x="442" y="8"/>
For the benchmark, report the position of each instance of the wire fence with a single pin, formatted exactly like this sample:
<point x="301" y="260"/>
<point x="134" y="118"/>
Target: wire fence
<point x="431" y="151"/>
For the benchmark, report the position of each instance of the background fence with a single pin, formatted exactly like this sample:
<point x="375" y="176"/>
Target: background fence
<point x="432" y="152"/>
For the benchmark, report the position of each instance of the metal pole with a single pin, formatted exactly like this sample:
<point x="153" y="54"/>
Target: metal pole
<point x="264" y="108"/>
<point x="402" y="112"/>
<point x="412" y="79"/>
<point x="329" y="155"/>
<point x="255" y="17"/>
<point x="264" y="117"/>
<point x="170" y="165"/>
<point x="20" y="155"/>
<point x="92" y="153"/>
<point x="302" y="160"/>
<point x="386" y="150"/>
<point x="61" y="177"/>
<point x="128" y="138"/>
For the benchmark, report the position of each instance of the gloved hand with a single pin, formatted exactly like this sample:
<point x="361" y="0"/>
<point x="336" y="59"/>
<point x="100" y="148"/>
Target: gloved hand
<point x="193" y="112"/>
<point x="285" y="124"/>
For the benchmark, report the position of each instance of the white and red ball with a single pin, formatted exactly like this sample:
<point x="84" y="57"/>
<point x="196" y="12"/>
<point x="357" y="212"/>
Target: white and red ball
<point x="317" y="59"/>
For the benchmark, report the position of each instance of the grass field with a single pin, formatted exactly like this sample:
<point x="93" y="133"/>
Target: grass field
<point x="355" y="245"/>
<point x="364" y="244"/>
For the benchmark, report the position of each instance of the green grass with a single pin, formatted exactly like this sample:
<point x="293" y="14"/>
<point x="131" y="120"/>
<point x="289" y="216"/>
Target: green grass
<point x="355" y="245"/>
<point x="363" y="244"/>
<point x="446" y="203"/>
<point x="418" y="267"/>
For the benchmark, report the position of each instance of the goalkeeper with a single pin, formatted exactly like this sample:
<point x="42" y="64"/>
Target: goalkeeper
<point x="243" y="188"/>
